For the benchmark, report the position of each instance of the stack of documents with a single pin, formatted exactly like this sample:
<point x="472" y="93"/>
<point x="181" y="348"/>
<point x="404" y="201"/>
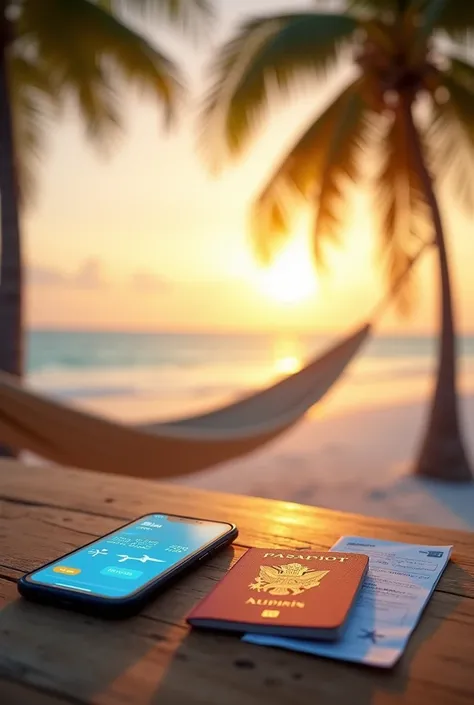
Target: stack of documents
<point x="399" y="583"/>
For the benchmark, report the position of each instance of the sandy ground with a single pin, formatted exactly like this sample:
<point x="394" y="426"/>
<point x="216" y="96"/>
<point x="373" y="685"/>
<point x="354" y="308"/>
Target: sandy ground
<point x="357" y="461"/>
<point x="353" y="452"/>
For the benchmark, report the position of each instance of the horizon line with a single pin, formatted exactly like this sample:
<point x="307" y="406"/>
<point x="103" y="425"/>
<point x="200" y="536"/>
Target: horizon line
<point x="227" y="332"/>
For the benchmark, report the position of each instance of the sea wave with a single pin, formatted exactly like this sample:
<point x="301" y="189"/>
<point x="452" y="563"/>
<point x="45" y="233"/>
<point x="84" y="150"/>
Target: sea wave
<point x="93" y="392"/>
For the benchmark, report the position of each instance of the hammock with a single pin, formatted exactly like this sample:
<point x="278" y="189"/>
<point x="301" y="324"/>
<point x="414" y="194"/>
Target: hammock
<point x="57" y="432"/>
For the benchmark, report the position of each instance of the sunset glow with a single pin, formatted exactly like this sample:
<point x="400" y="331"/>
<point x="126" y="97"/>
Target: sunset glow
<point x="288" y="365"/>
<point x="169" y="250"/>
<point x="291" y="278"/>
<point x="288" y="355"/>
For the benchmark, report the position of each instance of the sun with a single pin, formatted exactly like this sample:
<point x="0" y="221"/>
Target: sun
<point x="291" y="278"/>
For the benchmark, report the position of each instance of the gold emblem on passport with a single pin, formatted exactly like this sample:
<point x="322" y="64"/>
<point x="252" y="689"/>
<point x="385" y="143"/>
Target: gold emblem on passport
<point x="290" y="579"/>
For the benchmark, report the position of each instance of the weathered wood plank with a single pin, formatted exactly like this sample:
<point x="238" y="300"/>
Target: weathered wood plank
<point x="29" y="533"/>
<point x="56" y="656"/>
<point x="12" y="693"/>
<point x="26" y="541"/>
<point x="261" y="522"/>
<point x="147" y="658"/>
<point x="123" y="498"/>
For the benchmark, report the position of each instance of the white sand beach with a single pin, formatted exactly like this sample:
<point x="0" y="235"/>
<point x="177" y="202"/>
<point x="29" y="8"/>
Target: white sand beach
<point x="353" y="452"/>
<point x="358" y="462"/>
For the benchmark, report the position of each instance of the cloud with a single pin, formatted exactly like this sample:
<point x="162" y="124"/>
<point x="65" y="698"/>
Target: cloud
<point x="145" y="281"/>
<point x="89" y="275"/>
<point x="45" y="276"/>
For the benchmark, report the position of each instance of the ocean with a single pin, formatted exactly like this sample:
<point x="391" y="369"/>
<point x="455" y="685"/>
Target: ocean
<point x="138" y="375"/>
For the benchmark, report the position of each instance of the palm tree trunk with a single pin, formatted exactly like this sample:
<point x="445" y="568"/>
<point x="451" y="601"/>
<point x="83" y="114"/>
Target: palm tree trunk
<point x="11" y="352"/>
<point x="442" y="455"/>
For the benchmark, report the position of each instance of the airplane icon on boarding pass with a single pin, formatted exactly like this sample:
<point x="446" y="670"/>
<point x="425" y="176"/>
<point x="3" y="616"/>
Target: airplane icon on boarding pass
<point x="144" y="559"/>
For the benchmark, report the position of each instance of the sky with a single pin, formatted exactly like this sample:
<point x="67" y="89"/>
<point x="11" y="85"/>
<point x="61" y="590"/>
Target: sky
<point x="146" y="238"/>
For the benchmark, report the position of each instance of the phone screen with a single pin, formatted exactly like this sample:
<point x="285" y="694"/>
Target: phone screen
<point x="123" y="562"/>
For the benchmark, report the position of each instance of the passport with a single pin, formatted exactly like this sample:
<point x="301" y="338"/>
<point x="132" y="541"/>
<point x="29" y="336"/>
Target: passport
<point x="292" y="593"/>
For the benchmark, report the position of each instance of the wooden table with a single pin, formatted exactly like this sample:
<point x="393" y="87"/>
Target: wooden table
<point x="49" y="656"/>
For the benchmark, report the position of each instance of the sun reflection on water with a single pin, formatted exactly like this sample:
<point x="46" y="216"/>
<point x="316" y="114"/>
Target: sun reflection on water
<point x="288" y="356"/>
<point x="287" y="365"/>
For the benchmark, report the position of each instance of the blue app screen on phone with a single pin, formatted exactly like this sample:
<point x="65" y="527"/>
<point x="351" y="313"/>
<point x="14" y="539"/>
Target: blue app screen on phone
<point x="123" y="562"/>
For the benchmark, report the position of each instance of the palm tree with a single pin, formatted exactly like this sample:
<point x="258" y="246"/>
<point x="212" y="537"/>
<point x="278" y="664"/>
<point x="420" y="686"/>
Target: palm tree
<point x="409" y="109"/>
<point x="57" y="50"/>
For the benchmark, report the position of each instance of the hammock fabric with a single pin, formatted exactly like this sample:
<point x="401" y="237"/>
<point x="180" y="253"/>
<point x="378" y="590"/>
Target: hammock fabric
<point x="29" y="421"/>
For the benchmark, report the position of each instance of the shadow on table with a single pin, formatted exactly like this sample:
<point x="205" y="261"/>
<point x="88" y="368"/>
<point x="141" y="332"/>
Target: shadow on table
<point x="222" y="669"/>
<point x="87" y="658"/>
<point x="65" y="652"/>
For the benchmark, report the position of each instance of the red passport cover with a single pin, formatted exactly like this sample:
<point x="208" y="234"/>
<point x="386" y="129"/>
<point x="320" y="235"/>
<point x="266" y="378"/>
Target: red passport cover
<point x="305" y="594"/>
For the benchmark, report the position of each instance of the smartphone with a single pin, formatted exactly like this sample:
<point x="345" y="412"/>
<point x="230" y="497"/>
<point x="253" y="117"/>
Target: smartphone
<point x="116" y="575"/>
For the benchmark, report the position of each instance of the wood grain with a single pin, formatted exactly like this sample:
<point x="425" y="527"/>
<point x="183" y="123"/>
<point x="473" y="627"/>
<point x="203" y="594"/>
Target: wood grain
<point x="50" y="656"/>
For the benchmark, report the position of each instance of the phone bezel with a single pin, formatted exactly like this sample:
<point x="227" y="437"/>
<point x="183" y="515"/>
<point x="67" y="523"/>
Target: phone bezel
<point x="70" y="597"/>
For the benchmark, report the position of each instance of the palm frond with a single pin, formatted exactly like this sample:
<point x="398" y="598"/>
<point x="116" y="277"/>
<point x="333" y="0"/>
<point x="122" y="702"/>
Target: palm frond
<point x="375" y="6"/>
<point x="451" y="132"/>
<point x="401" y="208"/>
<point x="342" y="166"/>
<point x="462" y="72"/>
<point x="267" y="53"/>
<point x="455" y="17"/>
<point x="189" y="15"/>
<point x="33" y="108"/>
<point x="271" y="220"/>
<point x="428" y="15"/>
<point x="296" y="179"/>
<point x="87" y="51"/>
